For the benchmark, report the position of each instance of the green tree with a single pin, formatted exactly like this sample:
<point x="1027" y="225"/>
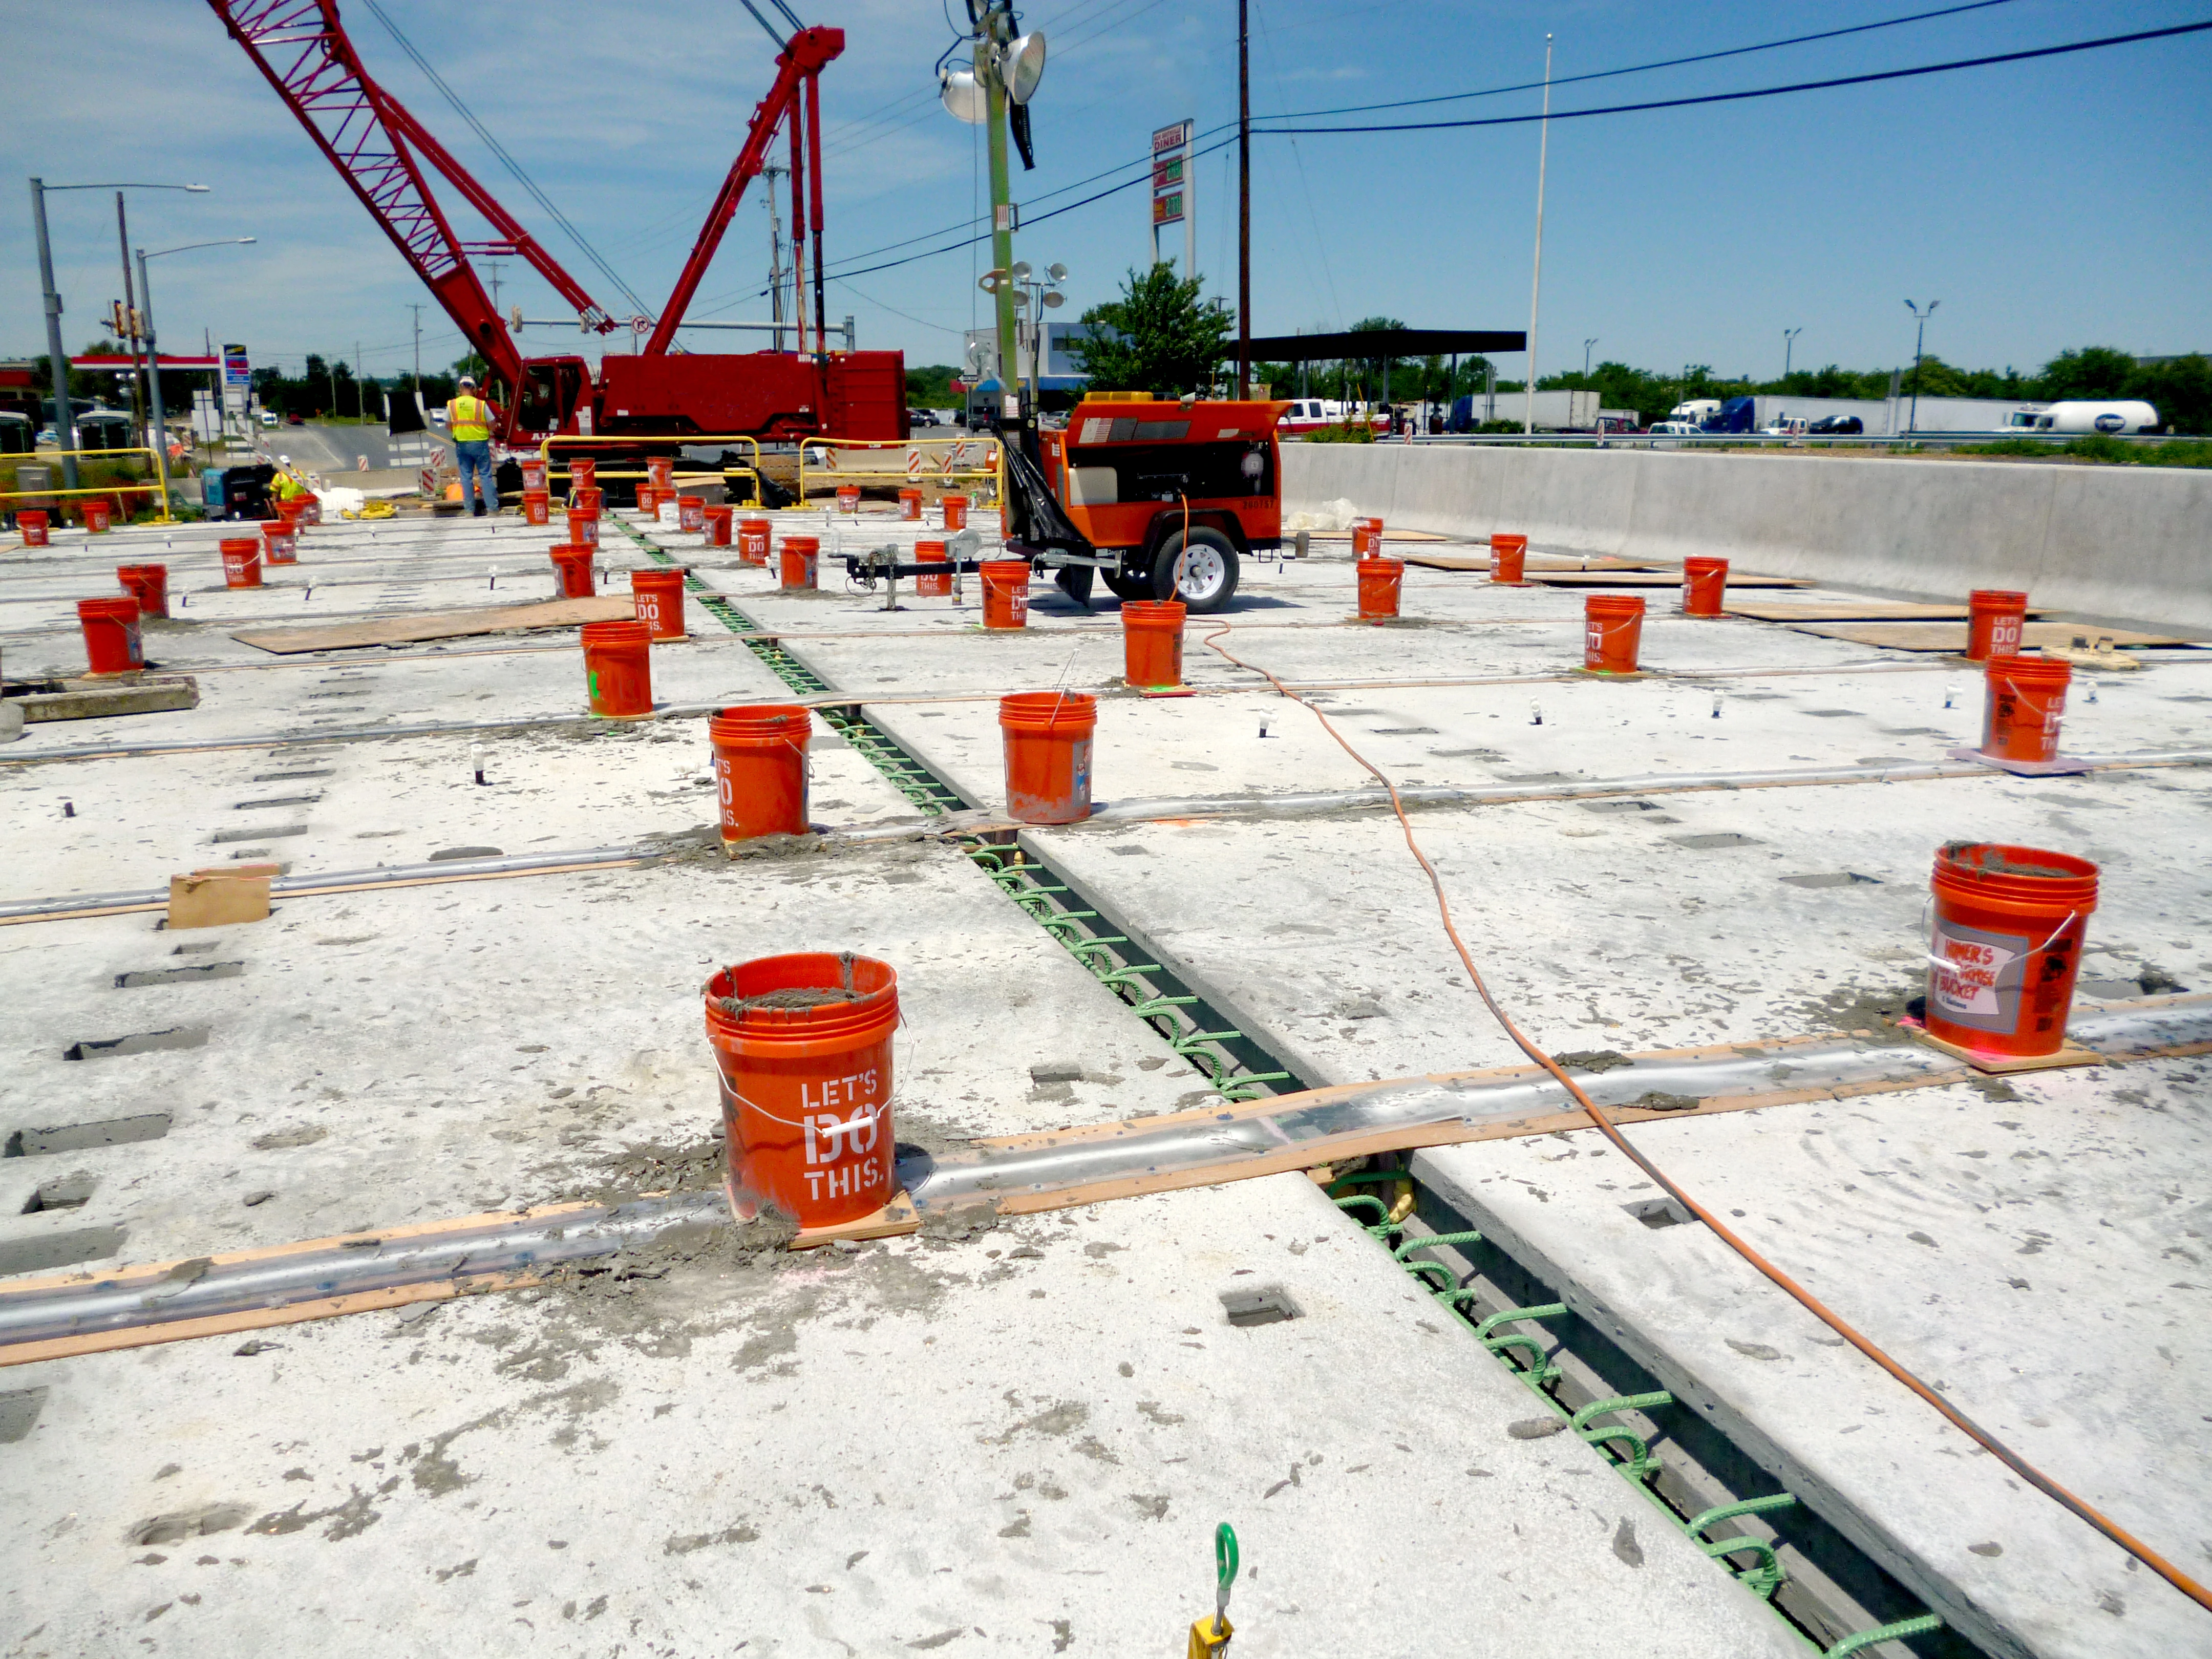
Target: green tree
<point x="2180" y="389"/>
<point x="931" y="387"/>
<point x="1159" y="337"/>
<point x="2092" y="372"/>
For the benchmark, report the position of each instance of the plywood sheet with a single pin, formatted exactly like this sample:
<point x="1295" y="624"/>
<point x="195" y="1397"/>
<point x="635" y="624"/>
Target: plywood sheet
<point x="1952" y="636"/>
<point x="1649" y="579"/>
<point x="440" y="625"/>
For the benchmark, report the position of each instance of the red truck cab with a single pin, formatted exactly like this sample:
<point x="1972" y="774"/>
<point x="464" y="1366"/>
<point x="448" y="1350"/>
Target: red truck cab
<point x="1170" y="494"/>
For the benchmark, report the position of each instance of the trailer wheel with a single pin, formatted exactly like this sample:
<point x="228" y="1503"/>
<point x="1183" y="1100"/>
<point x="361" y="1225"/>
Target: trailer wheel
<point x="1129" y="587"/>
<point x="1203" y="581"/>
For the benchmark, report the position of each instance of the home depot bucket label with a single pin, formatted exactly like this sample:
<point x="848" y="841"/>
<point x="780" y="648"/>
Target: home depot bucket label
<point x="1973" y="981"/>
<point x="842" y="1119"/>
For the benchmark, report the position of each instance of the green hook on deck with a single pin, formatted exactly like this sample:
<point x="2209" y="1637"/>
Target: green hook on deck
<point x="1225" y="1566"/>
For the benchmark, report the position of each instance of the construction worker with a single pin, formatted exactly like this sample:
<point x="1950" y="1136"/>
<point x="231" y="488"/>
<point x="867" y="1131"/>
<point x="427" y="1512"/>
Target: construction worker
<point x="468" y="420"/>
<point x="286" y="483"/>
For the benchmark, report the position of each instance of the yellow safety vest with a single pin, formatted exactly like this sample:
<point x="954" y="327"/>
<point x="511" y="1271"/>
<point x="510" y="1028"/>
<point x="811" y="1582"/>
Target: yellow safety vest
<point x="468" y="419"/>
<point x="288" y="486"/>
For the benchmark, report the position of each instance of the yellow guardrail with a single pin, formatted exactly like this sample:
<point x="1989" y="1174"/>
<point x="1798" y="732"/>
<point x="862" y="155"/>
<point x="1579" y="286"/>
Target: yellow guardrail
<point x="832" y="461"/>
<point x="160" y="486"/>
<point x="673" y="440"/>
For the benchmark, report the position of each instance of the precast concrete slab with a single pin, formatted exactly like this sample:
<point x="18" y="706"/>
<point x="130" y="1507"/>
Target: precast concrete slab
<point x="1014" y="1442"/>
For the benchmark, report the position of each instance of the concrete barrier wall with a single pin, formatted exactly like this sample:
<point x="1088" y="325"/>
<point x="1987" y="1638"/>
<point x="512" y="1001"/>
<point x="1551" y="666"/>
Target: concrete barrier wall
<point x="2120" y="543"/>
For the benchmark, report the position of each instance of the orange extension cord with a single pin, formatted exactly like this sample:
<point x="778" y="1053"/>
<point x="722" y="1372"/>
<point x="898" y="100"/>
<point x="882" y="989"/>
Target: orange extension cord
<point x="2012" y="1460"/>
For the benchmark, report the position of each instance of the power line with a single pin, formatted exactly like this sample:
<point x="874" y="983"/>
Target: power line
<point x="1640" y="69"/>
<point x="1758" y="92"/>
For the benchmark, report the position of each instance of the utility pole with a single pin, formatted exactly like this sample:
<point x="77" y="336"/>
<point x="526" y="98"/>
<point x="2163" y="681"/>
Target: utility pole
<point x="1586" y="344"/>
<point x="774" y="255"/>
<point x="1537" y="283"/>
<point x="418" y="310"/>
<point x="57" y="359"/>
<point x="1243" y="205"/>
<point x="1788" y="344"/>
<point x="1919" y="338"/>
<point x="994" y="29"/>
<point x="131" y="330"/>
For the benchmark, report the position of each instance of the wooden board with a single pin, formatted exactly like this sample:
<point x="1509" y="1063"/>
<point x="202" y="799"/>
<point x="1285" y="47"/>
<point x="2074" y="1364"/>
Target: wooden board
<point x="1952" y="636"/>
<point x="440" y="625"/>
<point x="1649" y="579"/>
<point x="1852" y="611"/>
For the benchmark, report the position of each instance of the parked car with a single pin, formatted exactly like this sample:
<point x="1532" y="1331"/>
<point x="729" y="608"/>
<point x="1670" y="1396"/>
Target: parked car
<point x="1675" y="429"/>
<point x="1836" y="426"/>
<point x="921" y="418"/>
<point x="268" y="418"/>
<point x="1784" y="426"/>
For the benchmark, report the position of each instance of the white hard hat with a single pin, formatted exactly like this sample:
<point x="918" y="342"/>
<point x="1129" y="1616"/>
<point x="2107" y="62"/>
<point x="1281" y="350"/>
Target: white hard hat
<point x="283" y="460"/>
<point x="468" y="379"/>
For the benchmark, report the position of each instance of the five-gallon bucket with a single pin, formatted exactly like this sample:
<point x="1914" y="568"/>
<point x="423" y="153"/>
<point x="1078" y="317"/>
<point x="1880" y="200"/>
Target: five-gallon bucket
<point x="1367" y="538"/>
<point x="280" y="542"/>
<point x="588" y="497"/>
<point x="660" y="471"/>
<point x="571" y="571"/>
<point x="311" y="509"/>
<point x="583" y="474"/>
<point x="96" y="516"/>
<point x="618" y="669"/>
<point x="2023" y="705"/>
<point x="1048" y="736"/>
<point x="533" y="476"/>
<point x="1612" y="629"/>
<point x="537" y="505"/>
<point x="659" y="595"/>
<point x="910" y="506"/>
<point x="802" y="559"/>
<point x="1705" y="586"/>
<point x="692" y="515"/>
<point x="1379" y="581"/>
<point x="111" y="636"/>
<point x="241" y="561"/>
<point x="649" y="500"/>
<point x="2007" y="938"/>
<point x="849" y="498"/>
<point x="1006" y="592"/>
<point x="802" y="1043"/>
<point x="1509" y="556"/>
<point x="956" y="512"/>
<point x="32" y="523"/>
<point x="717" y="520"/>
<point x="1996" y="619"/>
<point x="1151" y="642"/>
<point x="932" y="587"/>
<point x="760" y="768"/>
<point x="149" y="584"/>
<point x="584" y="526"/>
<point x="753" y="536"/>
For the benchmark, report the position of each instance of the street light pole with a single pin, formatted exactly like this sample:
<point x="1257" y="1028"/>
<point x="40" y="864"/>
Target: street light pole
<point x="153" y="353"/>
<point x="1536" y="281"/>
<point x="57" y="359"/>
<point x="1586" y="344"/>
<point x="992" y="31"/>
<point x="1788" y="344"/>
<point x="1919" y="338"/>
<point x="1243" y="206"/>
<point x="132" y="335"/>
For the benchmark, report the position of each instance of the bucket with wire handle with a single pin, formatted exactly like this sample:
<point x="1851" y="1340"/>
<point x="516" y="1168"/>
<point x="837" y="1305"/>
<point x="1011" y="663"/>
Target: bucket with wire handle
<point x="753" y="538"/>
<point x="584" y="526"/>
<point x="909" y="506"/>
<point x="956" y="512"/>
<point x="660" y="470"/>
<point x="149" y="584"/>
<point x="2023" y="706"/>
<point x="1612" y="632"/>
<point x="1006" y="592"/>
<point x="659" y="596"/>
<point x="533" y="476"/>
<point x="111" y="636"/>
<point x="588" y="497"/>
<point x="1997" y="620"/>
<point x="583" y="474"/>
<point x="802" y="559"/>
<point x="618" y="669"/>
<point x="802" y="1045"/>
<point x="96" y="515"/>
<point x="1366" y="538"/>
<point x="2004" y="946"/>
<point x="761" y="769"/>
<point x="280" y="542"/>
<point x="1048" y="739"/>
<point x="1151" y="642"/>
<point x="34" y="523"/>
<point x="849" y="498"/>
<point x="571" y="571"/>
<point x="1705" y="586"/>
<point x="717" y="518"/>
<point x="241" y="561"/>
<point x="932" y="587"/>
<point x="537" y="507"/>
<point x="1380" y="580"/>
<point x="1509" y="556"/>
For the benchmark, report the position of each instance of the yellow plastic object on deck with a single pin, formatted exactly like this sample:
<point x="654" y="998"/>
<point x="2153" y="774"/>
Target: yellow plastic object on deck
<point x="1209" y="1638"/>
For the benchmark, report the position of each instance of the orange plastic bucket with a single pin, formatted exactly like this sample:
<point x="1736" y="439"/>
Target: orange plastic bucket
<point x="932" y="587"/>
<point x="537" y="505"/>
<point x="802" y="560"/>
<point x="956" y="512"/>
<point x="96" y="515"/>
<point x="1613" y="630"/>
<point x="910" y="506"/>
<point x="533" y="475"/>
<point x="1509" y="557"/>
<point x="1367" y="538"/>
<point x="1151" y="642"/>
<point x="1997" y="618"/>
<point x="691" y="514"/>
<point x="32" y="523"/>
<point x="280" y="542"/>
<point x="588" y="498"/>
<point x="1006" y="592"/>
<point x="111" y="636"/>
<point x="753" y="536"/>
<point x="716" y="520"/>
<point x="311" y="509"/>
<point x="849" y="498"/>
<point x="660" y="470"/>
<point x="2007" y="939"/>
<point x="618" y="668"/>
<point x="583" y="526"/>
<point x="1379" y="581"/>
<point x="1047" y="737"/>
<point x="760" y="768"/>
<point x="802" y="1043"/>
<point x="293" y="512"/>
<point x="649" y="500"/>
<point x="658" y="596"/>
<point x="583" y="474"/>
<point x="1705" y="586"/>
<point x="241" y="561"/>
<point x="149" y="584"/>
<point x="2023" y="705"/>
<point x="572" y="569"/>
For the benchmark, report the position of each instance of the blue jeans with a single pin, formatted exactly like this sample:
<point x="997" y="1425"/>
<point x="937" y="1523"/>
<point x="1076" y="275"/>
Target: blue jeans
<point x="475" y="458"/>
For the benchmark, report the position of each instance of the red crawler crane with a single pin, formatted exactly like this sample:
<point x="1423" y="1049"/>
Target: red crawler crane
<point x="379" y="149"/>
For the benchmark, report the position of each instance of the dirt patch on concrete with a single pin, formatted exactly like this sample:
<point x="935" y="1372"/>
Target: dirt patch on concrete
<point x="1874" y="1010"/>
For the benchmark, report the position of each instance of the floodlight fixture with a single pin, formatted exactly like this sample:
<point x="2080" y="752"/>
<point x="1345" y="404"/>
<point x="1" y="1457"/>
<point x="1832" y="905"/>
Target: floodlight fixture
<point x="963" y="99"/>
<point x="1021" y="270"/>
<point x="1021" y="66"/>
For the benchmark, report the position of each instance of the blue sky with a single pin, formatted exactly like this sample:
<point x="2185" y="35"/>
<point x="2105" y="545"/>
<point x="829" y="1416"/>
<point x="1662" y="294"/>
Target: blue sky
<point x="2045" y="205"/>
